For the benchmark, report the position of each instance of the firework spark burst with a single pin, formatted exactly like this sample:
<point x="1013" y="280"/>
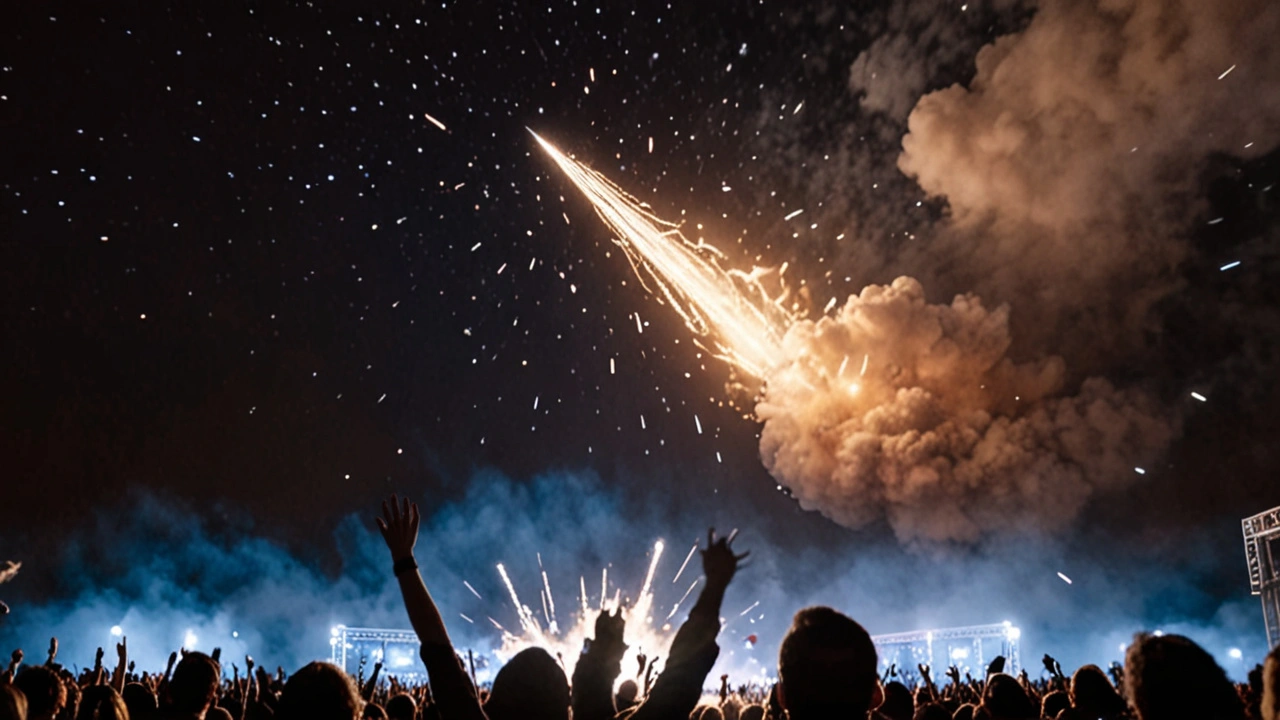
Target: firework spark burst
<point x="565" y="642"/>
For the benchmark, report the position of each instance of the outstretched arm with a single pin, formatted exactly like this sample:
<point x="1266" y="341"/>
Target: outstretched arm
<point x="694" y="649"/>
<point x="454" y="692"/>
<point x="399" y="526"/>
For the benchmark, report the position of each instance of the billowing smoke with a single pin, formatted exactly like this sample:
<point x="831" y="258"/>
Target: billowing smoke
<point x="1070" y="166"/>
<point x="913" y="411"/>
<point x="1072" y="162"/>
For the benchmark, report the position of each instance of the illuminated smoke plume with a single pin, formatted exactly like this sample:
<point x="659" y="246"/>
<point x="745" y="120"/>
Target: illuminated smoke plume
<point x="1071" y="162"/>
<point x="898" y="408"/>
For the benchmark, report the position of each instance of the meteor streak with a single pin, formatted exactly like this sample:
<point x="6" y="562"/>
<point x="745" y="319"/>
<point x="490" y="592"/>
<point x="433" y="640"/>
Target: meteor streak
<point x="729" y="310"/>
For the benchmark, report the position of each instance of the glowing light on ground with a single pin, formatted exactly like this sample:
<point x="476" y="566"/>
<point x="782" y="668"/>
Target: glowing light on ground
<point x="730" y="312"/>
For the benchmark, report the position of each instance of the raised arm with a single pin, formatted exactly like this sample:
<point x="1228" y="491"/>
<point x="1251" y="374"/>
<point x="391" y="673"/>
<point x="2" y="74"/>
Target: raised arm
<point x="399" y="526"/>
<point x="598" y="667"/>
<point x="122" y="664"/>
<point x="455" y="695"/>
<point x="694" y="649"/>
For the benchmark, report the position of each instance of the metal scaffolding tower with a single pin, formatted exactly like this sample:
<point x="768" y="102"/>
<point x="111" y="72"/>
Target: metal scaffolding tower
<point x="1262" y="553"/>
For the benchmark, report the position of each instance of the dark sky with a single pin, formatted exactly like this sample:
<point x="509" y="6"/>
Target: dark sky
<point x="242" y="268"/>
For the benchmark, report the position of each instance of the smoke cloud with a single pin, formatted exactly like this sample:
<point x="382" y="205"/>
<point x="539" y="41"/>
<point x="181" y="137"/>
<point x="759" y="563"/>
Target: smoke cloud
<point x="899" y="408"/>
<point x="1071" y="162"/>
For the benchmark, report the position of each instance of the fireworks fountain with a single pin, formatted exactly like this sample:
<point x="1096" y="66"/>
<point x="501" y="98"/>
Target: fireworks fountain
<point x="644" y="634"/>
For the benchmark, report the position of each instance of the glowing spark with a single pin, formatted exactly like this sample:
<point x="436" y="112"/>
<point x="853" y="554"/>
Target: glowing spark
<point x="754" y="605"/>
<point x="687" y="558"/>
<point x="1199" y="397"/>
<point x="549" y="598"/>
<point x="797" y="110"/>
<point x="473" y="590"/>
<point x="854" y="388"/>
<point x="658" y="547"/>
<point x="1065" y="579"/>
<point x="830" y="304"/>
<point x="650" y="144"/>
<point x="697" y="423"/>
<point x="730" y="309"/>
<point x="611" y="368"/>
<point x="639" y="327"/>
<point x="1140" y="471"/>
<point x="843" y="364"/>
<point x="676" y="608"/>
<point x="464" y="617"/>
<point x="527" y="622"/>
<point x="435" y="122"/>
<point x="1226" y="72"/>
<point x="1229" y="265"/>
<point x="604" y="584"/>
<point x="582" y="581"/>
<point x="865" y="359"/>
<point x="793" y="214"/>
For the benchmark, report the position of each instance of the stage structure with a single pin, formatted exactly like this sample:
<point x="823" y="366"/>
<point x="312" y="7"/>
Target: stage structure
<point x="1262" y="553"/>
<point x="968" y="648"/>
<point x="397" y="648"/>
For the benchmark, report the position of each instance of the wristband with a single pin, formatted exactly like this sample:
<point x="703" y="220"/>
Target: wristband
<point x="404" y="565"/>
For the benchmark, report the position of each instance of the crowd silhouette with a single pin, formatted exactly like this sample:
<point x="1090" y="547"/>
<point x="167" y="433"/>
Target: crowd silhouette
<point x="827" y="668"/>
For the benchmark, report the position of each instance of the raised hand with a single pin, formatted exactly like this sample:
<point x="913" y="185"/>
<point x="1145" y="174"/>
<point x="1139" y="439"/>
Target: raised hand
<point x="122" y="650"/>
<point x="1050" y="664"/>
<point x="609" y="629"/>
<point x="97" y="659"/>
<point x="718" y="561"/>
<point x="399" y="527"/>
<point x="53" y="651"/>
<point x="216" y="654"/>
<point x="996" y="667"/>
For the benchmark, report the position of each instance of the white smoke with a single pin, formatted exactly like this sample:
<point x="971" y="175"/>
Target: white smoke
<point x="1070" y="165"/>
<point x="943" y="434"/>
<point x="1071" y="162"/>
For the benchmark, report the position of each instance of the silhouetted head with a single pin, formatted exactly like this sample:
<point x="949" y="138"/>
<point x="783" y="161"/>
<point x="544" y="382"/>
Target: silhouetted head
<point x="101" y="702"/>
<point x="827" y="667"/>
<point x="373" y="711"/>
<point x="1168" y="677"/>
<point x="319" y="691"/>
<point x="752" y="712"/>
<point x="217" y="712"/>
<point x="1092" y="692"/>
<point x="194" y="683"/>
<point x="898" y="702"/>
<point x="1271" y="686"/>
<point x="402" y="707"/>
<point x="1054" y="703"/>
<point x="140" y="700"/>
<point x="628" y="691"/>
<point x="711" y="712"/>
<point x="964" y="712"/>
<point x="1004" y="699"/>
<point x="46" y="695"/>
<point x="531" y="686"/>
<point x="13" y="704"/>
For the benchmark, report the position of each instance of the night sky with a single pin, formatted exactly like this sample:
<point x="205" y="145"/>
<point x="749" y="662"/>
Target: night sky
<point x="247" y="271"/>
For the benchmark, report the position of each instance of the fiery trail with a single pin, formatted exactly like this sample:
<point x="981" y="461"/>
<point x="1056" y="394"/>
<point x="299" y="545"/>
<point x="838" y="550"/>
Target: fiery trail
<point x="728" y="309"/>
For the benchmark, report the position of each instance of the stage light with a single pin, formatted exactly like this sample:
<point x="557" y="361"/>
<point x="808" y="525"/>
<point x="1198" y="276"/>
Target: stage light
<point x="959" y="653"/>
<point x="190" y="640"/>
<point x="1013" y="633"/>
<point x="116" y="630"/>
<point x="333" y="631"/>
<point x="1235" y="654"/>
